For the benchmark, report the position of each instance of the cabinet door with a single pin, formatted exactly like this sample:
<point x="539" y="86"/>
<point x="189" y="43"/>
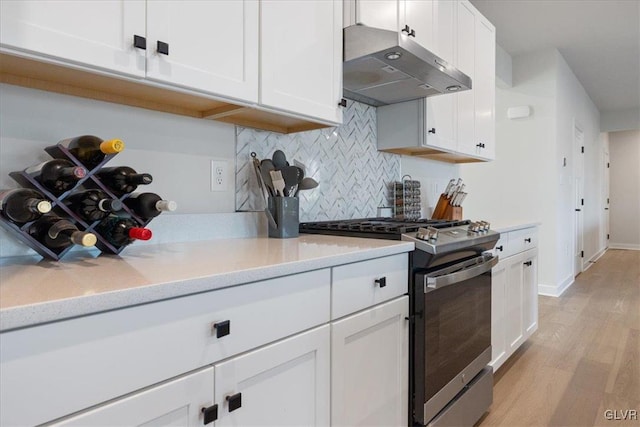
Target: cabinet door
<point x="94" y="33"/>
<point x="530" y="302"/>
<point x="369" y="372"/>
<point x="418" y="15"/>
<point x="177" y="403"/>
<point x="283" y="384"/>
<point x="379" y="13"/>
<point x="465" y="62"/>
<point x="212" y="45"/>
<point x="484" y="88"/>
<point x="301" y="57"/>
<point x="498" y="315"/>
<point x="515" y="292"/>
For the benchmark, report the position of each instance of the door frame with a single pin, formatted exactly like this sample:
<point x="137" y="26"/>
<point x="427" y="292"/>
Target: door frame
<point x="578" y="197"/>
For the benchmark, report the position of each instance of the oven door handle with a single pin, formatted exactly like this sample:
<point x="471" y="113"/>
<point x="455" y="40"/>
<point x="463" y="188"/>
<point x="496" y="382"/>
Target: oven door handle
<point x="475" y="269"/>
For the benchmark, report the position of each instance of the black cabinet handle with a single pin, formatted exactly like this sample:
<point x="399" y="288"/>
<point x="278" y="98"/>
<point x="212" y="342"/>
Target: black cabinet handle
<point x="606" y="209"/>
<point x="382" y="282"/>
<point x="343" y="102"/>
<point x="163" y="48"/>
<point x="578" y="210"/>
<point x="235" y="401"/>
<point x="222" y="328"/>
<point x="528" y="240"/>
<point x="412" y="33"/>
<point x="210" y="414"/>
<point x="528" y="263"/>
<point x="139" y="42"/>
<point x="406" y="29"/>
<point x="499" y="248"/>
<point x="480" y="145"/>
<point x="432" y="130"/>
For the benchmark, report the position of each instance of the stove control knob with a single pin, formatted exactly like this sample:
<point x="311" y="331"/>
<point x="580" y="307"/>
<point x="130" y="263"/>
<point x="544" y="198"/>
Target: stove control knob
<point x="428" y="234"/>
<point x="474" y="227"/>
<point x="433" y="233"/>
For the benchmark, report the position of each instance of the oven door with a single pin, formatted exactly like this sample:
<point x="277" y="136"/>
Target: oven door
<point x="455" y="331"/>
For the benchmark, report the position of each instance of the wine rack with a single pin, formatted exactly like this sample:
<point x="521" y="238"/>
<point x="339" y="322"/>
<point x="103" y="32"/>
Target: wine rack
<point x="89" y="181"/>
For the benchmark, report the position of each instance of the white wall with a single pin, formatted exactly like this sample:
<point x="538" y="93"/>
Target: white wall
<point x="624" y="148"/>
<point x="528" y="181"/>
<point x="611" y="121"/>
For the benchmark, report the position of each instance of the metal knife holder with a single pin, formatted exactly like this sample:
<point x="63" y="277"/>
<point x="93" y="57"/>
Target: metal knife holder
<point x="26" y="180"/>
<point x="406" y="199"/>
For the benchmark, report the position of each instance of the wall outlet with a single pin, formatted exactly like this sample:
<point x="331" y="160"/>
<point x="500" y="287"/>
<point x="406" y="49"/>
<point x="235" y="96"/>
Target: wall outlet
<point x="219" y="175"/>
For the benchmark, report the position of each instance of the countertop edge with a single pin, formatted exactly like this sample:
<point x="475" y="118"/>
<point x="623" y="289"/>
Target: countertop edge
<point x="52" y="311"/>
<point x="515" y="226"/>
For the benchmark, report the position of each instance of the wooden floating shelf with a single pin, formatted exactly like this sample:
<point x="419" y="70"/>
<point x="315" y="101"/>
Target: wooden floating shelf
<point x="35" y="74"/>
<point x="434" y="154"/>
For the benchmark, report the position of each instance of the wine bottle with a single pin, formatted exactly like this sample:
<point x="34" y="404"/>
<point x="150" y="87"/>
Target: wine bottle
<point x="91" y="150"/>
<point x="57" y="175"/>
<point x="122" y="231"/>
<point x="22" y="205"/>
<point x="149" y="205"/>
<point x="123" y="179"/>
<point x="92" y="205"/>
<point x="57" y="233"/>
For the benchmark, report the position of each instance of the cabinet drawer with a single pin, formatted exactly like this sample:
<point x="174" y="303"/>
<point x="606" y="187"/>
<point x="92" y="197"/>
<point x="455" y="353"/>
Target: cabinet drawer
<point x="363" y="284"/>
<point x="522" y="240"/>
<point x="502" y="248"/>
<point x="70" y="365"/>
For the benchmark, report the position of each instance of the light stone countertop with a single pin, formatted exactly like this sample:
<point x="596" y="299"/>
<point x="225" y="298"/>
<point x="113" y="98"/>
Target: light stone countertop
<point x="34" y="292"/>
<point x="506" y="226"/>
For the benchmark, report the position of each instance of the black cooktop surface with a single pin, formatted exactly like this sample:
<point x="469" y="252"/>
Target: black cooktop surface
<point x="377" y="228"/>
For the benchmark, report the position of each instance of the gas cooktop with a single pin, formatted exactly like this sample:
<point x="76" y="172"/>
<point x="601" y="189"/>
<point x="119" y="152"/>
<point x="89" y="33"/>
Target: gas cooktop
<point x="377" y="228"/>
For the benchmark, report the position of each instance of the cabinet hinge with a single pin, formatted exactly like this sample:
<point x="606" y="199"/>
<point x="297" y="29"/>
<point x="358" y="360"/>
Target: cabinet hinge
<point x="581" y="254"/>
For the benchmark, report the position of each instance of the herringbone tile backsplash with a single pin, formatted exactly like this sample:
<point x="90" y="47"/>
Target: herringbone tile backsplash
<point x="352" y="173"/>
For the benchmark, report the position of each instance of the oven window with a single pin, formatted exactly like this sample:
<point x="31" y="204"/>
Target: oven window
<point x="457" y="329"/>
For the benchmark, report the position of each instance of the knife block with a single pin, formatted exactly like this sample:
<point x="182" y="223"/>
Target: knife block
<point x="453" y="213"/>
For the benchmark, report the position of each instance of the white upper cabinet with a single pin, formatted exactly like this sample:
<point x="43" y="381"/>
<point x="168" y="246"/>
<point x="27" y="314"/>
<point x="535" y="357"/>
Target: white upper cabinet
<point x="301" y="57"/>
<point x="208" y="45"/>
<point x="418" y="16"/>
<point x="485" y="88"/>
<point x="383" y="14"/>
<point x="95" y="33"/>
<point x="465" y="61"/>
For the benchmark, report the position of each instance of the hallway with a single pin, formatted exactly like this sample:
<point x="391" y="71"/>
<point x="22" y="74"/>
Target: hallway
<point x="585" y="357"/>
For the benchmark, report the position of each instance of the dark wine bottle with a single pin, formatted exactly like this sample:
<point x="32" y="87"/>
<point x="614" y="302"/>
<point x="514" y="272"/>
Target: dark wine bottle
<point x="92" y="205"/>
<point x="22" y="205"/>
<point x="122" y="231"/>
<point x="149" y="205"/>
<point x="57" y="233"/>
<point x="91" y="150"/>
<point x="123" y="179"/>
<point x="57" y="175"/>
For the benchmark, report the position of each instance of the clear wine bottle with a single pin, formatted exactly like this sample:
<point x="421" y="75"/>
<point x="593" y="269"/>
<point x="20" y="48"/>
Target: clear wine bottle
<point x="123" y="179"/>
<point x="22" y="205"/>
<point x="149" y="205"/>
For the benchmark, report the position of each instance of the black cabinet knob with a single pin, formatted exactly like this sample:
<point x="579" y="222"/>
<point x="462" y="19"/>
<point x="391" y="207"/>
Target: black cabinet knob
<point x="412" y="33"/>
<point x="527" y="240"/>
<point x="528" y="263"/>
<point x="222" y="328"/>
<point x="235" y="401"/>
<point x="140" y="42"/>
<point x="406" y="29"/>
<point x="382" y="282"/>
<point x="343" y="102"/>
<point x="210" y="414"/>
<point x="432" y="130"/>
<point x="163" y="48"/>
<point x="500" y="248"/>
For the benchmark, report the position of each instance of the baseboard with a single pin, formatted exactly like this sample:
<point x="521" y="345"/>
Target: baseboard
<point x="627" y="246"/>
<point x="593" y="259"/>
<point x="555" y="291"/>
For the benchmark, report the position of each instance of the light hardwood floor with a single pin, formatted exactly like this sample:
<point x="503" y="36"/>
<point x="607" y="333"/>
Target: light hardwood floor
<point x="584" y="358"/>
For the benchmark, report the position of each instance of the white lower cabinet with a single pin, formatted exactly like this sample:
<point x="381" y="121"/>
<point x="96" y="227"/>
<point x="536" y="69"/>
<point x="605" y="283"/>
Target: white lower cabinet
<point x="514" y="298"/>
<point x="369" y="356"/>
<point x="175" y="403"/>
<point x="283" y="384"/>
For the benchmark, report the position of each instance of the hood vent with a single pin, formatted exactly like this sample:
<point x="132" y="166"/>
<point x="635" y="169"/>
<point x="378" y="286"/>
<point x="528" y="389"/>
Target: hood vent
<point x="384" y="67"/>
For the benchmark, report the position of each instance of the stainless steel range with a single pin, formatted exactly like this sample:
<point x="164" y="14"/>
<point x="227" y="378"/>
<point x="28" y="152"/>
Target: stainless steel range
<point x="450" y="382"/>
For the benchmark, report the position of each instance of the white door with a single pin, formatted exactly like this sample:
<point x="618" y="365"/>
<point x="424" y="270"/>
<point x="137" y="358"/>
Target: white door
<point x="606" y="196"/>
<point x="177" y="403"/>
<point x="283" y="384"/>
<point x="301" y="57"/>
<point x="484" y="88"/>
<point x="578" y="199"/>
<point x="369" y="371"/>
<point x="515" y="321"/>
<point x="211" y="46"/>
<point x="95" y="33"/>
<point x="465" y="62"/>
<point x="499" y="319"/>
<point x="441" y="113"/>
<point x="530" y="294"/>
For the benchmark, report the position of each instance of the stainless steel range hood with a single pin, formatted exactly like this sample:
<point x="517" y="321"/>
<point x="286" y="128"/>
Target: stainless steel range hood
<point x="386" y="67"/>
